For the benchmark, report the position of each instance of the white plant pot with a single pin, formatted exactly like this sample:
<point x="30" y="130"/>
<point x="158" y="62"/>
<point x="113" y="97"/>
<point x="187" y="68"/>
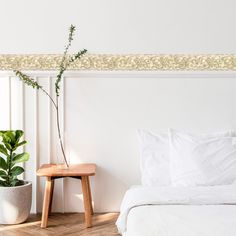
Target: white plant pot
<point x="15" y="203"/>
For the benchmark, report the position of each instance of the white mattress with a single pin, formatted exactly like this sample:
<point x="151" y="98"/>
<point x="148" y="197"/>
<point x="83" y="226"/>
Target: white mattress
<point x="172" y="211"/>
<point x="182" y="220"/>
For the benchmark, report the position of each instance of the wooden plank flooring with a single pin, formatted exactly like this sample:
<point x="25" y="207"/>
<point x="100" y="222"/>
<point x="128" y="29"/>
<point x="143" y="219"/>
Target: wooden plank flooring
<point x="64" y="224"/>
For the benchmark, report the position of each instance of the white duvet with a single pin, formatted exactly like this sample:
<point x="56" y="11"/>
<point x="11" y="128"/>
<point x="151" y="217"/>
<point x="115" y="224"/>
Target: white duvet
<point x="178" y="211"/>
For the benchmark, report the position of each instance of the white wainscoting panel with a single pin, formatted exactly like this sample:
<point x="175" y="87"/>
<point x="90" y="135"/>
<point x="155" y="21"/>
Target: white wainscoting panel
<point x="100" y="112"/>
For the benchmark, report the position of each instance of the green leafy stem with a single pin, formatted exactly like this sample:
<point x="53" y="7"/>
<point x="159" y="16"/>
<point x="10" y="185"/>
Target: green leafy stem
<point x="64" y="64"/>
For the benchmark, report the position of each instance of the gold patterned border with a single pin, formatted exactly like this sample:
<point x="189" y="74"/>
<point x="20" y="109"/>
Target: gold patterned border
<point x="133" y="62"/>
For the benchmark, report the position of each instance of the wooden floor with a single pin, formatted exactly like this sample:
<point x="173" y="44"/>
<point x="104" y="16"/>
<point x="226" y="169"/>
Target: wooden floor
<point x="64" y="224"/>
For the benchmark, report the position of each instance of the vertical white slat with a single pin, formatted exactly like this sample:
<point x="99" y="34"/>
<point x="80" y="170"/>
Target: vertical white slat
<point x="62" y="125"/>
<point x="50" y="107"/>
<point x="10" y="103"/>
<point x="23" y="115"/>
<point x="56" y="156"/>
<point x="73" y="190"/>
<point x="16" y="109"/>
<point x="5" y="102"/>
<point x="16" y="106"/>
<point x="43" y="133"/>
<point x="66" y="180"/>
<point x="31" y="135"/>
<point x="53" y="125"/>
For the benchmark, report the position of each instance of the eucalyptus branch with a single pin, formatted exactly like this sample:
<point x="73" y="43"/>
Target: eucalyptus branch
<point x="33" y="83"/>
<point x="64" y="64"/>
<point x="27" y="80"/>
<point x="75" y="57"/>
<point x="53" y="102"/>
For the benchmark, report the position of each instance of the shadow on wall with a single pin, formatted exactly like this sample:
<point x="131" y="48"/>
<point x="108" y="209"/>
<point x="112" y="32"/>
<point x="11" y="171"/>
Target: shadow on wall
<point x="103" y="185"/>
<point x="109" y="185"/>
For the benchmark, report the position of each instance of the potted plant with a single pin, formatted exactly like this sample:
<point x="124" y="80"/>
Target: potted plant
<point x="15" y="194"/>
<point x="65" y="63"/>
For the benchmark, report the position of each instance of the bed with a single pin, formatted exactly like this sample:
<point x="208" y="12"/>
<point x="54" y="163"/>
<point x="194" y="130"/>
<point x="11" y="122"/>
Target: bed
<point x="185" y="206"/>
<point x="172" y="211"/>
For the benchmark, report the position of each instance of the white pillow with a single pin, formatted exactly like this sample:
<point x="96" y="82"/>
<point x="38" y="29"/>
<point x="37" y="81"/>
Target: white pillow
<point x="154" y="158"/>
<point x="154" y="152"/>
<point x="202" y="160"/>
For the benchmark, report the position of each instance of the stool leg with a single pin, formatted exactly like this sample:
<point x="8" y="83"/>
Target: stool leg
<point x="90" y="197"/>
<point x="51" y="197"/>
<point x="87" y="207"/>
<point x="46" y="202"/>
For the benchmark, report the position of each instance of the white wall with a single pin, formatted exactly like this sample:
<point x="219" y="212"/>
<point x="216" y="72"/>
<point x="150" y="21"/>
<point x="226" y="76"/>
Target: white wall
<point x="124" y="26"/>
<point x="103" y="110"/>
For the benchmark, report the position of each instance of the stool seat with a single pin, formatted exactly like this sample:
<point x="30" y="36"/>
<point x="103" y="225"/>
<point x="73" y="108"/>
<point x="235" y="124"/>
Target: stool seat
<point x="53" y="170"/>
<point x="79" y="171"/>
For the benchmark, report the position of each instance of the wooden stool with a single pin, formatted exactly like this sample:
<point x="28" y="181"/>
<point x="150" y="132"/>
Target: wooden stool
<point x="79" y="171"/>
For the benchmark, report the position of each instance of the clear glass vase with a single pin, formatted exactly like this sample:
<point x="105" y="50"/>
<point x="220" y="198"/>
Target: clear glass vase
<point x="61" y="163"/>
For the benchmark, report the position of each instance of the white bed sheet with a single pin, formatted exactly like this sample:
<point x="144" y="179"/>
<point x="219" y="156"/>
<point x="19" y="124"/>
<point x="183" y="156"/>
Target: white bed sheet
<point x="182" y="220"/>
<point x="190" y="211"/>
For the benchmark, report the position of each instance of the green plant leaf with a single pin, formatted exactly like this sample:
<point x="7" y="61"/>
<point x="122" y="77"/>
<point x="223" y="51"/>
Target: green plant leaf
<point x="23" y="157"/>
<point x="3" y="164"/>
<point x="8" y="146"/>
<point x="5" y="177"/>
<point x="18" y="145"/>
<point x="14" y="182"/>
<point x="17" y="170"/>
<point x="19" y="134"/>
<point x="2" y="173"/>
<point x="3" y="183"/>
<point x="2" y="132"/>
<point x="11" y="134"/>
<point x="6" y="140"/>
<point x="3" y="150"/>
